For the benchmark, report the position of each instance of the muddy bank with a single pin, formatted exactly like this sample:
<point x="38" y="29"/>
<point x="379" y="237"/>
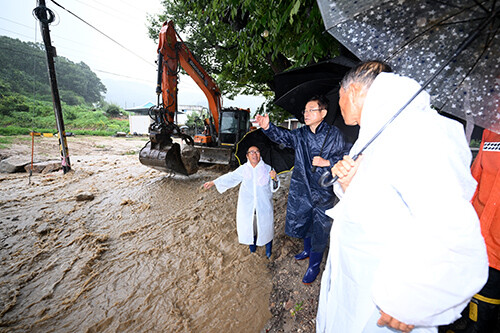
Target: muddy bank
<point x="142" y="251"/>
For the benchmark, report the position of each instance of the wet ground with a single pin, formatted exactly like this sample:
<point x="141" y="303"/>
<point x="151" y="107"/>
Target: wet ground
<point x="114" y="246"/>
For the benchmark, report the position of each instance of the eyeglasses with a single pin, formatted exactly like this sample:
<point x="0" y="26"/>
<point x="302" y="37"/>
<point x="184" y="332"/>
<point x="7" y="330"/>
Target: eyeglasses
<point x="253" y="152"/>
<point x="311" y="110"/>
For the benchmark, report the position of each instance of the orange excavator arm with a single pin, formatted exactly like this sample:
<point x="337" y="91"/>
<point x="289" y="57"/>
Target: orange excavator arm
<point x="164" y="153"/>
<point x="172" y="51"/>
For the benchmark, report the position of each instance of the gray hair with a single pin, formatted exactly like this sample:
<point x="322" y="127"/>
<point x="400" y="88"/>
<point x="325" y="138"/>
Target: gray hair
<point x="365" y="73"/>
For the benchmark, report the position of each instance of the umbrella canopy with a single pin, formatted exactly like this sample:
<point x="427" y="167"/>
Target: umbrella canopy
<point x="417" y="38"/>
<point x="296" y="98"/>
<point x="336" y="67"/>
<point x="281" y="159"/>
<point x="295" y="87"/>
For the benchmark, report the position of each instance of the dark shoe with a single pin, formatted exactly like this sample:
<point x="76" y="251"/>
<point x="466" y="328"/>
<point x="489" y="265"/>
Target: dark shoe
<point x="307" y="249"/>
<point x="253" y="247"/>
<point x="269" y="249"/>
<point x="313" y="269"/>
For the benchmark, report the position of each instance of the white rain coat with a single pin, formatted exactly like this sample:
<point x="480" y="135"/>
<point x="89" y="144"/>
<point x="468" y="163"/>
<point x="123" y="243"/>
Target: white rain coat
<point x="405" y="238"/>
<point x="255" y="195"/>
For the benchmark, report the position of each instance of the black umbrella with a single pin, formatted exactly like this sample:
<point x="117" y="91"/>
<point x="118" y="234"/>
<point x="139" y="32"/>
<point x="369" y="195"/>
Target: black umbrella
<point x="336" y="67"/>
<point x="295" y="87"/>
<point x="281" y="159"/>
<point x="454" y="45"/>
<point x="296" y="98"/>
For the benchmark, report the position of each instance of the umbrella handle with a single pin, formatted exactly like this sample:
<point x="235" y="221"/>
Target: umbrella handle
<point x="323" y="179"/>
<point x="275" y="180"/>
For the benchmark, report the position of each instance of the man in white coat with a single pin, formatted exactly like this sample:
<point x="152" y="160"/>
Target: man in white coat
<point x="406" y="251"/>
<point x="254" y="216"/>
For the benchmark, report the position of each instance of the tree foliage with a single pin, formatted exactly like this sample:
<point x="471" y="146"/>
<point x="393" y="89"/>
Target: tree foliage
<point x="26" y="98"/>
<point x="244" y="43"/>
<point x="24" y="71"/>
<point x="20" y="114"/>
<point x="195" y="119"/>
<point x="113" y="110"/>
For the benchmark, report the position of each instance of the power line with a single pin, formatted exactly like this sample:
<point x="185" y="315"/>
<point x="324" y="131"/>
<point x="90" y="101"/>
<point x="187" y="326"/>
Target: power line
<point x="16" y="33"/>
<point x="40" y="56"/>
<point x="123" y="15"/>
<point x="24" y="25"/>
<point x="102" y="33"/>
<point x="30" y="38"/>
<point x="55" y="40"/>
<point x="31" y="53"/>
<point x="121" y="75"/>
<point x="130" y="5"/>
<point x="31" y="29"/>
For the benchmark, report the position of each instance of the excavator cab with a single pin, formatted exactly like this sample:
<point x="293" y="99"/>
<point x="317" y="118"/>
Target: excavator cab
<point x="234" y="123"/>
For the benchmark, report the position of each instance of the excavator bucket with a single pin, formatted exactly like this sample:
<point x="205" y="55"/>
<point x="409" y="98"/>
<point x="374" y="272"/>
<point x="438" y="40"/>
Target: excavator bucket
<point x="170" y="158"/>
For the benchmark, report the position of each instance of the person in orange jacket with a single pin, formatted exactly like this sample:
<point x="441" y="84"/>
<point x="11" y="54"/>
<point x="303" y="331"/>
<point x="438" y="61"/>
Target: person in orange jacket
<point x="485" y="305"/>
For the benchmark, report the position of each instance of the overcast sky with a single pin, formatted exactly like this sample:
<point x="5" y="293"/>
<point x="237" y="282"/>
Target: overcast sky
<point x="128" y="70"/>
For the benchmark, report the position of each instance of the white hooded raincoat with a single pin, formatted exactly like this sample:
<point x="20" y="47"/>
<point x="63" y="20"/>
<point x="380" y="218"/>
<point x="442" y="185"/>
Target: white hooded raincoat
<point x="255" y="195"/>
<point x="405" y="238"/>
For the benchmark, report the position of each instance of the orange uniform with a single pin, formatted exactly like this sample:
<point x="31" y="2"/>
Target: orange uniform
<point x="486" y="200"/>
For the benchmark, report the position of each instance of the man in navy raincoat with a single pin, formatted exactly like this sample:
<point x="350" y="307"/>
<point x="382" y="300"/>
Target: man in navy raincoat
<point x="317" y="144"/>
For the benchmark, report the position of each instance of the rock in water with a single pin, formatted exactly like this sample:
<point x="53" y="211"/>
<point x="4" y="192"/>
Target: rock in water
<point x="84" y="196"/>
<point x="13" y="164"/>
<point x="44" y="167"/>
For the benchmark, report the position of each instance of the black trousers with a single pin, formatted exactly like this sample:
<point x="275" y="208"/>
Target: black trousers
<point x="485" y="305"/>
<point x="483" y="312"/>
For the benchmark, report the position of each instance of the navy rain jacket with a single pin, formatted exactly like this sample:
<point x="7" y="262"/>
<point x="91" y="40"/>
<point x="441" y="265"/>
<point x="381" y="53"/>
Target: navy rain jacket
<point x="307" y="200"/>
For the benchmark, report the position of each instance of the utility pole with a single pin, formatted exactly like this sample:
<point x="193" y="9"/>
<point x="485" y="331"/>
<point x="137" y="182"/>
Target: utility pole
<point x="46" y="16"/>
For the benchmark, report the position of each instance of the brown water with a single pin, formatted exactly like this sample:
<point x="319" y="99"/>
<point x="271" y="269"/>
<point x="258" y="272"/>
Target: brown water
<point x="151" y="252"/>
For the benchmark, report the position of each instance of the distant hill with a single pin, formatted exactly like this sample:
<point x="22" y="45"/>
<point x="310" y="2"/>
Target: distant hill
<point x="23" y="70"/>
<point x="26" y="98"/>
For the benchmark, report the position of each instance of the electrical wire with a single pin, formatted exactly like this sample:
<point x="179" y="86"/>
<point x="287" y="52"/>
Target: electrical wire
<point x="121" y="75"/>
<point x="24" y="25"/>
<point x="97" y="70"/>
<point x="31" y="39"/>
<point x="49" y="18"/>
<point x="102" y="33"/>
<point x="16" y="33"/>
<point x="122" y="16"/>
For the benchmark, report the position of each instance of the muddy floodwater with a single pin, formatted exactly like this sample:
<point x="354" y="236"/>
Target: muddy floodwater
<point x="151" y="252"/>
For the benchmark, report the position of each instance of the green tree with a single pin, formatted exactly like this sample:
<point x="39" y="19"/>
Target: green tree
<point x="195" y="118"/>
<point x="113" y="110"/>
<point x="24" y="69"/>
<point x="70" y="97"/>
<point x="243" y="44"/>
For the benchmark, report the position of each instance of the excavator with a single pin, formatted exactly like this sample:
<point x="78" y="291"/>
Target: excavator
<point x="170" y="149"/>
